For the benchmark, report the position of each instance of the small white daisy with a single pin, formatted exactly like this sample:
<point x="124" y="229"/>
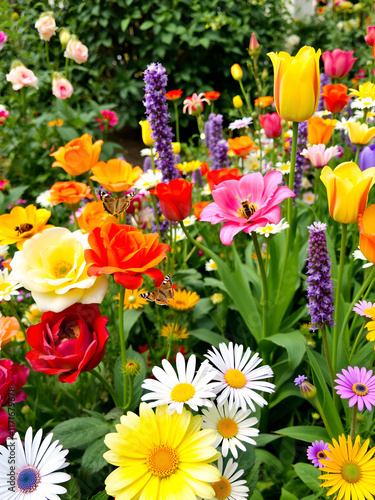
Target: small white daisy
<point x="228" y="487"/>
<point x="305" y="183"/>
<point x="211" y="265"/>
<point x="231" y="426"/>
<point x="182" y="388"/>
<point x="145" y="152"/>
<point x="284" y="168"/>
<point x="3" y="250"/>
<point x="343" y="123"/>
<point x="178" y="234"/>
<point x="37" y="468"/>
<point x="322" y="114"/>
<point x="8" y="286"/>
<point x="241" y="123"/>
<point x="250" y="163"/>
<point x="44" y="199"/>
<point x="308" y="198"/>
<point x="189" y="221"/>
<point x="357" y="254"/>
<point x="272" y="228"/>
<point x="365" y="102"/>
<point x="148" y="180"/>
<point x="238" y="376"/>
<point x="205" y="191"/>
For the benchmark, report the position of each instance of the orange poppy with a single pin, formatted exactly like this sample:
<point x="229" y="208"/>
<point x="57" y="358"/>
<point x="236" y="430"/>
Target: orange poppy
<point x="240" y="146"/>
<point x="78" y="156"/>
<point x="116" y="175"/>
<point x="69" y="192"/>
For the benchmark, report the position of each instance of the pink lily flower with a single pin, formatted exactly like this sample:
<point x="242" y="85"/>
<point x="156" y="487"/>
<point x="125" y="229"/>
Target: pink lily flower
<point x="319" y="155"/>
<point x="262" y="195"/>
<point x="194" y="104"/>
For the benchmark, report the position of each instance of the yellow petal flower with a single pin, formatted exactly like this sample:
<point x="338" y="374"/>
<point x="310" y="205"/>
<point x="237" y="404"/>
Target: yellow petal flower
<point x="116" y="175"/>
<point x="146" y="133"/>
<point x="360" y="133"/>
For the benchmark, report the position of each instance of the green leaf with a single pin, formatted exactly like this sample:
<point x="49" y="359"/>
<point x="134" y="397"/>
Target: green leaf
<point x="146" y="25"/>
<point x="138" y="380"/>
<point x="73" y="491"/>
<point x="92" y="459"/>
<point x="273" y="463"/>
<point x="207" y="336"/>
<point x="67" y="133"/>
<point x="125" y="23"/>
<point x="79" y="431"/>
<point x="293" y="342"/>
<point x="252" y="478"/>
<point x="263" y="439"/>
<point x="309" y="475"/>
<point x="130" y="316"/>
<point x="100" y="496"/>
<point x="286" y="391"/>
<point x="305" y="433"/>
<point x="286" y="495"/>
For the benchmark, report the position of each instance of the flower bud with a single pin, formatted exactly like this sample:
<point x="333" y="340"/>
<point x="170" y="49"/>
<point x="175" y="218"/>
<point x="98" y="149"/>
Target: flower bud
<point x="237" y="101"/>
<point x="132" y="368"/>
<point x="217" y="298"/>
<point x="264" y="75"/>
<point x="307" y="389"/>
<point x="254" y="47"/>
<point x="15" y="16"/>
<point x="199" y="238"/>
<point x="176" y="146"/>
<point x="64" y="35"/>
<point x="236" y="71"/>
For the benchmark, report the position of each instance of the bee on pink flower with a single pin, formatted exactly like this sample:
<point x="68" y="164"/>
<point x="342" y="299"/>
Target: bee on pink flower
<point x="108" y="119"/>
<point x="194" y="104"/>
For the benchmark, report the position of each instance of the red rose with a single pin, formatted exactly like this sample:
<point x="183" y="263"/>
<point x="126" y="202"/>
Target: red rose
<point x="13" y="376"/>
<point x="5" y="427"/>
<point x="174" y="198"/>
<point x="68" y="342"/>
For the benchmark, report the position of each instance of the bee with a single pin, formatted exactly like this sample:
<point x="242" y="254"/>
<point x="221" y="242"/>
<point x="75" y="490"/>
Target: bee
<point x="163" y="294"/>
<point x="247" y="209"/>
<point x="116" y="206"/>
<point x="23" y="228"/>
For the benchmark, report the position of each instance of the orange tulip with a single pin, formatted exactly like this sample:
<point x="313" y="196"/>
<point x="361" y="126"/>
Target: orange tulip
<point x="264" y="101"/>
<point x="9" y="327"/>
<point x="320" y="130"/>
<point x="78" y="156"/>
<point x="366" y="224"/>
<point x="93" y="216"/>
<point x="240" y="146"/>
<point x="69" y="192"/>
<point x="116" y="175"/>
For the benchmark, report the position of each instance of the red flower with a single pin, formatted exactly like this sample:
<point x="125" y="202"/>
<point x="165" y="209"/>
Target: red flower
<point x="215" y="177"/>
<point x="335" y="97"/>
<point x="271" y="122"/>
<point x="370" y="37"/>
<point x="198" y="207"/>
<point x="7" y="429"/>
<point x="13" y="376"/>
<point x="125" y="252"/>
<point x="174" y="198"/>
<point x="204" y="168"/>
<point x="69" y="342"/>
<point x="173" y="95"/>
<point x="212" y="95"/>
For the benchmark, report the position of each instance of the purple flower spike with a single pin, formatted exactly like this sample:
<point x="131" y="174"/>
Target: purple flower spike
<point x="157" y="115"/>
<point x="215" y="143"/>
<point x="357" y="385"/>
<point x="319" y="282"/>
<point x="316" y="452"/>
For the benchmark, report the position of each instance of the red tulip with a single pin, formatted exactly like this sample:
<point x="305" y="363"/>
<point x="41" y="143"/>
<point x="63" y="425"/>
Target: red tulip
<point x="335" y="97"/>
<point x="174" y="198"/>
<point x="338" y="63"/>
<point x="215" y="177"/>
<point x="271" y="123"/>
<point x="370" y="37"/>
<point x="173" y="95"/>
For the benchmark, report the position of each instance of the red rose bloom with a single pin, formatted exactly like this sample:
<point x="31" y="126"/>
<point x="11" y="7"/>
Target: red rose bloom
<point x="12" y="375"/>
<point x="215" y="177"/>
<point x="212" y="95"/>
<point x="69" y="342"/>
<point x="173" y="95"/>
<point x="125" y="252"/>
<point x="335" y="97"/>
<point x="7" y="429"/>
<point x="174" y="198"/>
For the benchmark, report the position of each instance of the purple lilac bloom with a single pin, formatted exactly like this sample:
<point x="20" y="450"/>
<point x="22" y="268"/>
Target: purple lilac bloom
<point x="147" y="164"/>
<point x="367" y="157"/>
<point x="158" y="117"/>
<point x="216" y="145"/>
<point x="319" y="282"/>
<point x="324" y="80"/>
<point x="299" y="380"/>
<point x="357" y="385"/>
<point x="316" y="452"/>
<point x="361" y="306"/>
<point x="301" y="161"/>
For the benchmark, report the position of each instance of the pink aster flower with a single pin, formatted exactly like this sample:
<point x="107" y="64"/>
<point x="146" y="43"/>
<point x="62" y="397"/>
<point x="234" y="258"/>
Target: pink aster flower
<point x="319" y="155"/>
<point x="316" y="452"/>
<point x="357" y="385"/>
<point x="362" y="306"/>
<point x="194" y="104"/>
<point x="262" y="195"/>
<point x="108" y="117"/>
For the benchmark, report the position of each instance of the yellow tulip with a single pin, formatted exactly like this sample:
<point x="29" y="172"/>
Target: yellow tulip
<point x="347" y="190"/>
<point x="146" y="133"/>
<point x="236" y="71"/>
<point x="237" y="101"/>
<point x="360" y="133"/>
<point x="296" y="83"/>
<point x="176" y="146"/>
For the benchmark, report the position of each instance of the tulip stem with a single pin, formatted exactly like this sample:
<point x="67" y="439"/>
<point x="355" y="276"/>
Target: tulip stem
<point x="356" y="160"/>
<point x="107" y="386"/>
<point x="152" y="160"/>
<point x="122" y="342"/>
<point x="264" y="282"/>
<point x="177" y="121"/>
<point x="156" y="214"/>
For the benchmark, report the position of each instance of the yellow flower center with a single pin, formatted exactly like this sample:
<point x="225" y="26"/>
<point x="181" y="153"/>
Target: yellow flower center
<point x="132" y="299"/>
<point x="351" y="473"/>
<point x="360" y="389"/>
<point x="222" y="488"/>
<point x="182" y="392"/>
<point x="235" y="378"/>
<point x="162" y="461"/>
<point x="62" y="268"/>
<point x="227" y="428"/>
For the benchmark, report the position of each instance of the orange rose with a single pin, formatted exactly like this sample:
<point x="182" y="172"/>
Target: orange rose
<point x="366" y="224"/>
<point x="125" y="252"/>
<point x="214" y="177"/>
<point x="93" y="216"/>
<point x="198" y="207"/>
<point x="69" y="192"/>
<point x="240" y="146"/>
<point x="78" y="156"/>
<point x="264" y="101"/>
<point x="116" y="175"/>
<point x="319" y="130"/>
<point x="9" y="327"/>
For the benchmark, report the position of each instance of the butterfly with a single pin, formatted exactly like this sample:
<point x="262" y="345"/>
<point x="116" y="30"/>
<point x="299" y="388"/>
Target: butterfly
<point x="116" y="206"/>
<point x="163" y="294"/>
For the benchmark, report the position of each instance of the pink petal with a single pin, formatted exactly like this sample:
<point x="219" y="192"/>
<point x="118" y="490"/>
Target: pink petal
<point x="228" y="231"/>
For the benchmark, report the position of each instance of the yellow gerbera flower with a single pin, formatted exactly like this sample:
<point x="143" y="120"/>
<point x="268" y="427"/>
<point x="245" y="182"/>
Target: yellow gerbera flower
<point x="132" y="299"/>
<point x="175" y="331"/>
<point x="349" y="468"/>
<point x="365" y="90"/>
<point x="189" y="166"/>
<point x="161" y="456"/>
<point x="183" y="300"/>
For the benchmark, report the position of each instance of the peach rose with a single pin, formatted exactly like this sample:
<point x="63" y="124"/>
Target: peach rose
<point x="78" y="156"/>
<point x="46" y="25"/>
<point x="9" y="327"/>
<point x="69" y="192"/>
<point x="77" y="51"/>
<point x="21" y="77"/>
<point x="93" y="216"/>
<point x="116" y="175"/>
<point x="62" y="88"/>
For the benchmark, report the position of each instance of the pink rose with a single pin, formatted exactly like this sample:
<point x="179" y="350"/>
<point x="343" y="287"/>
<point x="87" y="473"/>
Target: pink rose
<point x="108" y="117"/>
<point x="3" y="38"/>
<point x="62" y="88"/>
<point x="3" y="114"/>
<point x="77" y="51"/>
<point x="22" y="77"/>
<point x="46" y="25"/>
<point x="370" y="37"/>
<point x="338" y="63"/>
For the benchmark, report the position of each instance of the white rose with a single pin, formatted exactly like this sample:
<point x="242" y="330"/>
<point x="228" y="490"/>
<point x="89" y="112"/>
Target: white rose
<point x="77" y="51"/>
<point x="46" y="25"/>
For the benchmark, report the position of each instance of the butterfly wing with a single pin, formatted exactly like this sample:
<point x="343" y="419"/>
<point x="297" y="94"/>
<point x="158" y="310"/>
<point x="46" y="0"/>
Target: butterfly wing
<point x="167" y="287"/>
<point x="150" y="296"/>
<point x="116" y="206"/>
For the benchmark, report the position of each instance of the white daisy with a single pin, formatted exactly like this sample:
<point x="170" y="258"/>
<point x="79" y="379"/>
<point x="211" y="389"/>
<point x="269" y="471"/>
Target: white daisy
<point x="148" y="180"/>
<point x="32" y="471"/>
<point x="323" y="114"/>
<point x="284" y="168"/>
<point x="178" y="234"/>
<point x="8" y="286"/>
<point x="308" y="198"/>
<point x="272" y="228"/>
<point x="238" y="376"/>
<point x="3" y="250"/>
<point x="182" y="388"/>
<point x="189" y="221"/>
<point x="343" y="123"/>
<point x="231" y="426"/>
<point x="357" y="254"/>
<point x="365" y="102"/>
<point x="250" y="163"/>
<point x="145" y="152"/>
<point x="205" y="191"/>
<point x="241" y="123"/>
<point x="44" y="199"/>
<point x="228" y="487"/>
<point x="211" y="265"/>
<point x="305" y="183"/>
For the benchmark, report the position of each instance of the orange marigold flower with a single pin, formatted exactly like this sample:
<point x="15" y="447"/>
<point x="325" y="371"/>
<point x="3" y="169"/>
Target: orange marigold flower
<point x="94" y="215"/>
<point x="69" y="192"/>
<point x="173" y="95"/>
<point x="240" y="146"/>
<point x="198" y="207"/>
<point x="22" y="223"/>
<point x="183" y="300"/>
<point x="212" y="95"/>
<point x="116" y="175"/>
<point x="264" y="101"/>
<point x="78" y="156"/>
<point x="9" y="327"/>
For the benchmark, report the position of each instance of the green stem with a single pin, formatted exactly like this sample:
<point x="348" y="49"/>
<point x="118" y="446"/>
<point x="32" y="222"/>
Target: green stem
<point x="357" y="155"/>
<point x="338" y="294"/>
<point x="47" y="55"/>
<point x="177" y="121"/>
<point x="131" y="390"/>
<point x="354" y="422"/>
<point x="107" y="386"/>
<point x="245" y="96"/>
<point x="320" y="410"/>
<point x="326" y="351"/>
<point x="76" y="226"/>
<point x="66" y="67"/>
<point x="264" y="283"/>
<point x="152" y="159"/>
<point x="156" y="214"/>
<point x="122" y="341"/>
<point x="356" y="341"/>
<point x="23" y="102"/>
<point x="90" y="183"/>
<point x="16" y="315"/>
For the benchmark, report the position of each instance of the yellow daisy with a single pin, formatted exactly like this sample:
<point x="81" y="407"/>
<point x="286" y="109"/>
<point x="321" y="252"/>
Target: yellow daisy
<point x="365" y="90"/>
<point x="175" y="331"/>
<point x="188" y="166"/>
<point x="349" y="468"/>
<point x="183" y="300"/>
<point x="33" y="316"/>
<point x="132" y="299"/>
<point x="161" y="456"/>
